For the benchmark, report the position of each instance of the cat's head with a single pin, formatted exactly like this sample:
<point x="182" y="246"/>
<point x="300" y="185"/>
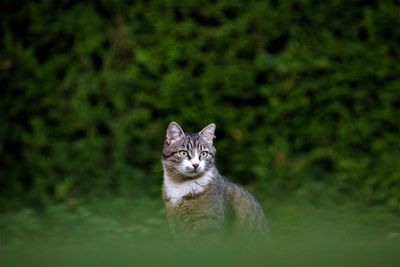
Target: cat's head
<point x="188" y="155"/>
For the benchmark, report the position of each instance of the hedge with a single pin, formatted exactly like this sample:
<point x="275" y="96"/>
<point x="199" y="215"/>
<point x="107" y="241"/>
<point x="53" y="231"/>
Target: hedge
<point x="305" y="94"/>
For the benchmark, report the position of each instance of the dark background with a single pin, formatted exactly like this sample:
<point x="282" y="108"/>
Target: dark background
<point x="305" y="95"/>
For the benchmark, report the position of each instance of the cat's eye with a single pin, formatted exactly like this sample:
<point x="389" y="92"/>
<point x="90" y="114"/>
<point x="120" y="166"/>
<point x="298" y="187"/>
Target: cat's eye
<point x="183" y="153"/>
<point x="204" y="154"/>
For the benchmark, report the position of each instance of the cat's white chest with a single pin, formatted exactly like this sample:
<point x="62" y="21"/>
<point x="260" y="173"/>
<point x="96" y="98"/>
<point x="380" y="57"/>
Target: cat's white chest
<point x="176" y="191"/>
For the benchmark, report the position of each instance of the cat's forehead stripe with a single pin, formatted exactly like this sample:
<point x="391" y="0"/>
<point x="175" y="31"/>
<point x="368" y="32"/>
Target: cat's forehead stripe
<point x="193" y="141"/>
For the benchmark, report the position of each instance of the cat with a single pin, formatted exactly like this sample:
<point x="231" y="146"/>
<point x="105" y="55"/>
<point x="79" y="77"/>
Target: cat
<point x="197" y="199"/>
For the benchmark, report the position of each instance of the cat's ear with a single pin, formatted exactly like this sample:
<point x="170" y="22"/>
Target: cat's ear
<point x="174" y="133"/>
<point x="208" y="132"/>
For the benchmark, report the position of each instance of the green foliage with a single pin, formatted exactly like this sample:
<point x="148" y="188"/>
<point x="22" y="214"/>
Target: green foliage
<point x="302" y="92"/>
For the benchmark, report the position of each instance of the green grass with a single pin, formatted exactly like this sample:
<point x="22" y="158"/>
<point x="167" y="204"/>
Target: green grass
<point x="124" y="232"/>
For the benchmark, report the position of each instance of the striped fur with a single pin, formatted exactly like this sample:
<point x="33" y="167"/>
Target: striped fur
<point x="198" y="200"/>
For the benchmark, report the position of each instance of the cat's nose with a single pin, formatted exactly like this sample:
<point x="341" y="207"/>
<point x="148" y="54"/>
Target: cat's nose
<point x="195" y="165"/>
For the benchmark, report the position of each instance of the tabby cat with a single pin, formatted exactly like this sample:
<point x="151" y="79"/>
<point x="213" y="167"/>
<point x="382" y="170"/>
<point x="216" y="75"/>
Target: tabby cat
<point x="198" y="200"/>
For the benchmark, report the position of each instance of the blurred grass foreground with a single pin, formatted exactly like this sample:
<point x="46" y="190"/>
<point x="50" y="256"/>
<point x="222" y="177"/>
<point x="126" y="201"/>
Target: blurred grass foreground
<point x="134" y="233"/>
<point x="305" y="95"/>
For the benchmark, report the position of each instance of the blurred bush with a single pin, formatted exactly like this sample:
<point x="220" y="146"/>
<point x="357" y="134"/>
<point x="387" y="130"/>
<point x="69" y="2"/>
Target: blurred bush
<point x="303" y="93"/>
